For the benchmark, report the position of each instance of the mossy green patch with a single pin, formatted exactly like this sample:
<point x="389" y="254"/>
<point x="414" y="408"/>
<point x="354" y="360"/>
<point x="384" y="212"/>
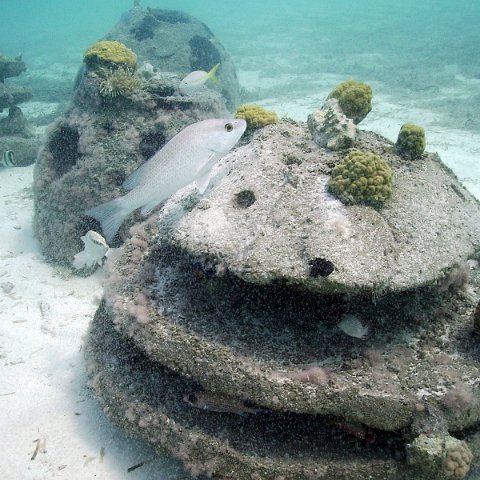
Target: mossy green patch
<point x="354" y="98"/>
<point x="411" y="141"/>
<point x="110" y="54"/>
<point x="362" y="177"/>
<point x="256" y="116"/>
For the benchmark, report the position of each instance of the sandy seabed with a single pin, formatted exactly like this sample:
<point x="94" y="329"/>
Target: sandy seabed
<point x="52" y="427"/>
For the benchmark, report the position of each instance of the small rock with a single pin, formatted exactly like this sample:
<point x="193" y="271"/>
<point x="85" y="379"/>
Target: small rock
<point x="331" y="128"/>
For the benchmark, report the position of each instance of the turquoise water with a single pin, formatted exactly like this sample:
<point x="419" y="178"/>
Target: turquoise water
<point x="428" y="51"/>
<point x="421" y="58"/>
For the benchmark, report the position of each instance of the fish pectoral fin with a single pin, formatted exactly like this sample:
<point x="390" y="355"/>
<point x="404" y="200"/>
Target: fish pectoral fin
<point x="202" y="182"/>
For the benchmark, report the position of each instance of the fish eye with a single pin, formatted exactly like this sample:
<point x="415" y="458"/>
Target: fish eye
<point x="229" y="127"/>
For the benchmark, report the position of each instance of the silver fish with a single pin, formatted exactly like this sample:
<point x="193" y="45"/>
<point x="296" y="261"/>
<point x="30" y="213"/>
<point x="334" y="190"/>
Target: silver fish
<point x="215" y="402"/>
<point x="195" y="80"/>
<point x="352" y="326"/>
<point x="8" y="159"/>
<point x="187" y="157"/>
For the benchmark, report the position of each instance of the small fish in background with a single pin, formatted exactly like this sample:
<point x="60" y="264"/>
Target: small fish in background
<point x="8" y="159"/>
<point x="94" y="251"/>
<point x="359" y="431"/>
<point x="352" y="326"/>
<point x="215" y="402"/>
<point x="196" y="80"/>
<point x="187" y="157"/>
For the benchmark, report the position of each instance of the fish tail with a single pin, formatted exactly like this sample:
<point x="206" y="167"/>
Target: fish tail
<point x="110" y="215"/>
<point x="211" y="74"/>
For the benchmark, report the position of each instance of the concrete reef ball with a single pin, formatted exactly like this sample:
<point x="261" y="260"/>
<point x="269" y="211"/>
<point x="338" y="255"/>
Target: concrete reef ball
<point x="354" y="98"/>
<point x="109" y="54"/>
<point x="411" y="141"/>
<point x="362" y="177"/>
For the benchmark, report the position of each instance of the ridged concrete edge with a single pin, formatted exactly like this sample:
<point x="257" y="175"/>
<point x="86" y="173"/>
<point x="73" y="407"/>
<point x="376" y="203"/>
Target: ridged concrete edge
<point x="147" y="401"/>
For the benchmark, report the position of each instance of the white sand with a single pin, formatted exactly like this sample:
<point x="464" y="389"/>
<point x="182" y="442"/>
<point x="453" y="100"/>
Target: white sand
<point x="43" y="393"/>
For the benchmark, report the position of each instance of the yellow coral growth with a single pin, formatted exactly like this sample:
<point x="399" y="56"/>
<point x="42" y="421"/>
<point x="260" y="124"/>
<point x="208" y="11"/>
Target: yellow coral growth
<point x="458" y="458"/>
<point x="354" y="98"/>
<point x="362" y="177"/>
<point x="110" y="54"/>
<point x="411" y="141"/>
<point x="256" y="116"/>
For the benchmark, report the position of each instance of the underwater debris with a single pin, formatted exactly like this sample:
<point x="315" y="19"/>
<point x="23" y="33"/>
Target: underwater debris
<point x="37" y="448"/>
<point x="40" y="447"/>
<point x="94" y="251"/>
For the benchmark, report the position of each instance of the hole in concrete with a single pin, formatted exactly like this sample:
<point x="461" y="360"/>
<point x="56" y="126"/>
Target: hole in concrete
<point x="204" y="54"/>
<point x="63" y="146"/>
<point x="151" y="143"/>
<point x="244" y="199"/>
<point x="320" y="267"/>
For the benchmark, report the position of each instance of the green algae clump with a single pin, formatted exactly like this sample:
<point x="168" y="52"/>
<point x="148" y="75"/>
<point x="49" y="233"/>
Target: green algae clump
<point x="256" y="116"/>
<point x="109" y="54"/>
<point x="362" y="177"/>
<point x="354" y="98"/>
<point x="411" y="141"/>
